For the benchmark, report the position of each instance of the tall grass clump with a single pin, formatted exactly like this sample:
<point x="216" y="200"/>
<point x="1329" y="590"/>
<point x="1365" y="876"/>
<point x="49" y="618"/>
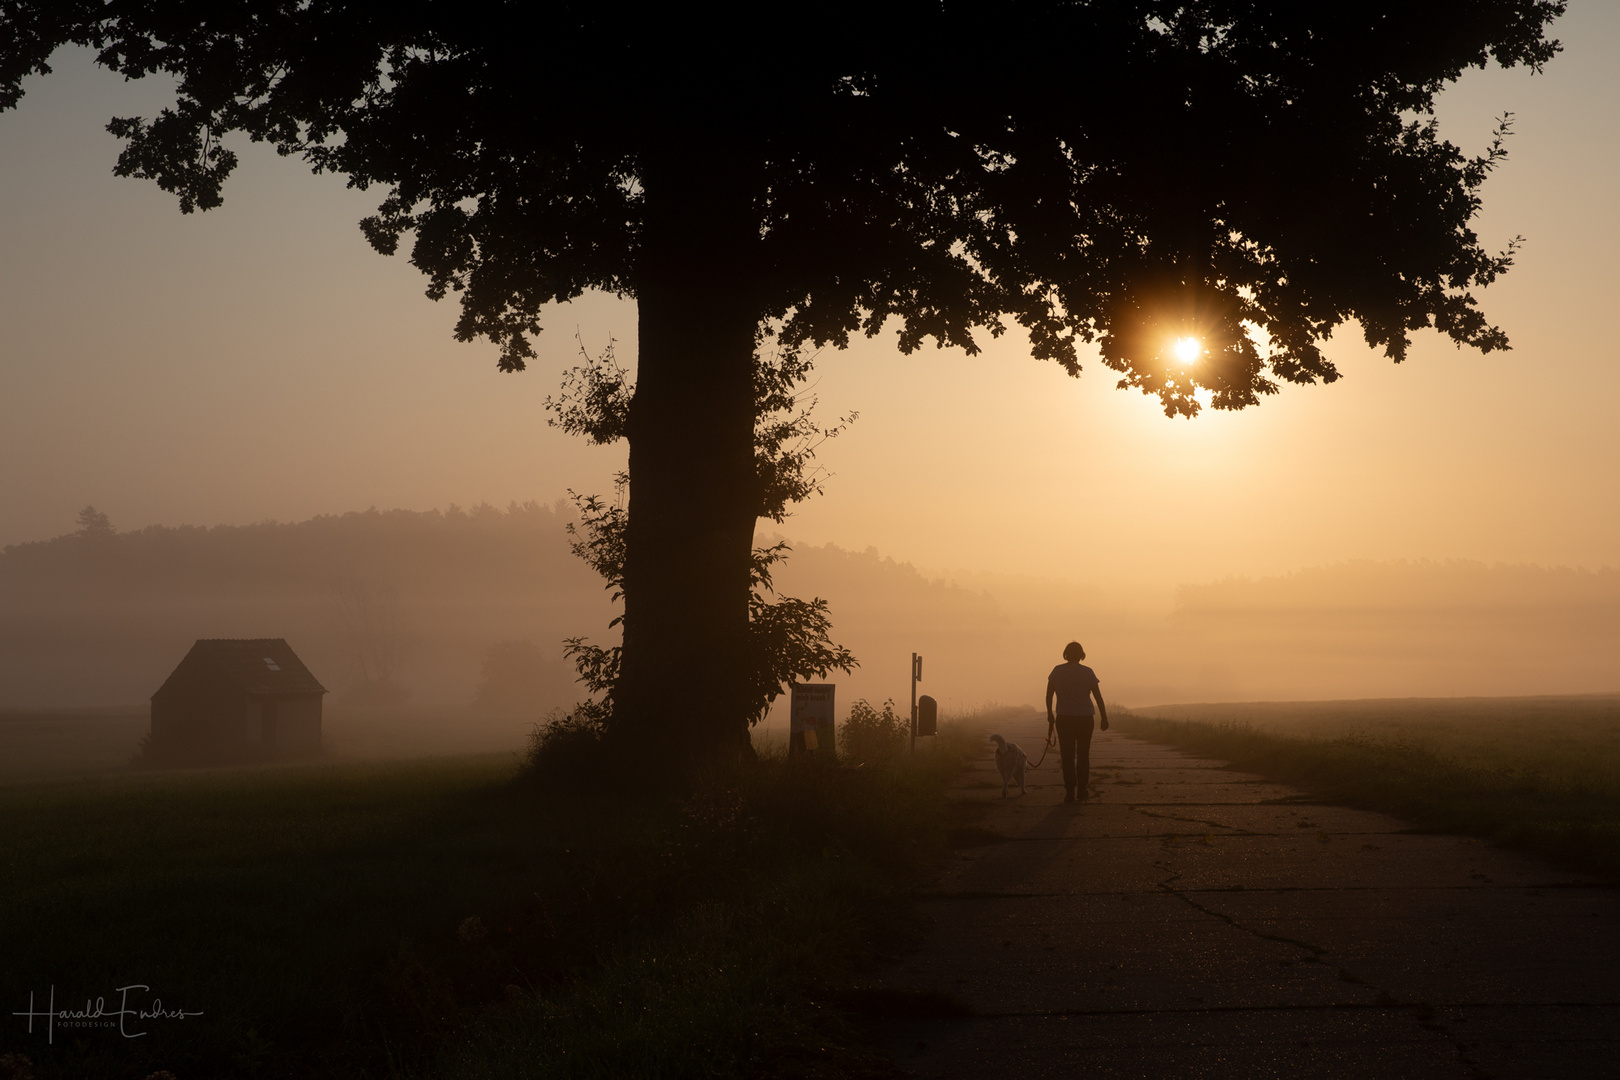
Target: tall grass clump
<point x="882" y="736"/>
<point x="567" y="748"/>
<point x="1570" y="817"/>
<point x="869" y="735"/>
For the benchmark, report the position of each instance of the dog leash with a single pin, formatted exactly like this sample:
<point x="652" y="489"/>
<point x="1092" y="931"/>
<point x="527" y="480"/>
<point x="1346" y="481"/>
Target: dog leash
<point x="1044" y="749"/>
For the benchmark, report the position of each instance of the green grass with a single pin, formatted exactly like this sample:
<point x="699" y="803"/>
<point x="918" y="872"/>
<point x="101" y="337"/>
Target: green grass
<point x="36" y="743"/>
<point x="45" y="743"/>
<point x="1539" y="774"/>
<point x="445" y="919"/>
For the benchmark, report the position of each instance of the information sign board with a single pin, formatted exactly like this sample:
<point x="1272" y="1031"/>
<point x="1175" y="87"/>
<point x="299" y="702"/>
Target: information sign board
<point x="811" y="726"/>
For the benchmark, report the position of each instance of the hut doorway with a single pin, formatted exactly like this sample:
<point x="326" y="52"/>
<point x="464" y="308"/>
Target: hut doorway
<point x="267" y="725"/>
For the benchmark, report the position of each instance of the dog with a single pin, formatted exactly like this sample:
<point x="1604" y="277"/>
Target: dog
<point x="1010" y="759"/>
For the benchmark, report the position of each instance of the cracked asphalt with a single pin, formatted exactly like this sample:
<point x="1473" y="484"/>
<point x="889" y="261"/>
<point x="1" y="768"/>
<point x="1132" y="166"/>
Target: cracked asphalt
<point x="1193" y="921"/>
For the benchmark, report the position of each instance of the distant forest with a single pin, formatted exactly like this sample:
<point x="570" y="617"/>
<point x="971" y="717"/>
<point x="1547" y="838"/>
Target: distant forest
<point x="380" y="604"/>
<point x="386" y="607"/>
<point x="470" y="608"/>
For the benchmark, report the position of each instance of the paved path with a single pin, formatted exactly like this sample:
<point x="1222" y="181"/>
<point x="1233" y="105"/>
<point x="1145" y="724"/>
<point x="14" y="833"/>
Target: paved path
<point x="1191" y="921"/>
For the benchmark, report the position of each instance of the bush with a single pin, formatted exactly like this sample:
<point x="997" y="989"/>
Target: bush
<point x="870" y="736"/>
<point x="566" y="747"/>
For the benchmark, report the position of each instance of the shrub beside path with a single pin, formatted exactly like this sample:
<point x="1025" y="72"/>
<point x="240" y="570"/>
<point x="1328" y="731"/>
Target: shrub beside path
<point x="1193" y="921"/>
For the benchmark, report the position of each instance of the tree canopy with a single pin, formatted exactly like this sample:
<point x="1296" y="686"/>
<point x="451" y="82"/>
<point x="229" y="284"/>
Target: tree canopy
<point x="1115" y="171"/>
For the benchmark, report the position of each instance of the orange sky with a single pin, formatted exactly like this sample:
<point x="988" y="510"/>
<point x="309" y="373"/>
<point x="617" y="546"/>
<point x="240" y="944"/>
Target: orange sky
<point x="260" y="361"/>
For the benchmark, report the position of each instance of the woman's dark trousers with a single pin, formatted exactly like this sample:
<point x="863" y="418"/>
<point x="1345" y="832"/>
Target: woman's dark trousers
<point x="1074" y="747"/>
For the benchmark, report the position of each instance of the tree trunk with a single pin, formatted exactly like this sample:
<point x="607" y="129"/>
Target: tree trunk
<point x="693" y="489"/>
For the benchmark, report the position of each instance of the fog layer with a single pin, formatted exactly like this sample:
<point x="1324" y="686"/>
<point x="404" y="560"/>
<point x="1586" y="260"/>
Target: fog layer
<point x="470" y="608"/>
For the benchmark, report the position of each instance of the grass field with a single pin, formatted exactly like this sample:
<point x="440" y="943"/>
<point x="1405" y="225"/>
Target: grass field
<point x="444" y="918"/>
<point x="41" y="743"/>
<point x="37" y="743"/>
<point x="1541" y="774"/>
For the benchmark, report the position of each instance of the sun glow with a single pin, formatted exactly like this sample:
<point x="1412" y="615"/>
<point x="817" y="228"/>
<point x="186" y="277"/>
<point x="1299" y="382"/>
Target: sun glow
<point x="1187" y="349"/>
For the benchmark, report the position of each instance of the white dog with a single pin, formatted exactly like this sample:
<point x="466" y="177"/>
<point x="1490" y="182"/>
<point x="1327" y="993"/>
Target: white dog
<point x="1010" y="760"/>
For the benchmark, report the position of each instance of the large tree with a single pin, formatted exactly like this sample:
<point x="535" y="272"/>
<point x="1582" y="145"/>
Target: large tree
<point x="1117" y="173"/>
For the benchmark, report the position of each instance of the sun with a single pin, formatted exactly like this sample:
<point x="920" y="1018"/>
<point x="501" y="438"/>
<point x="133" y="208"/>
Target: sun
<point x="1187" y="349"/>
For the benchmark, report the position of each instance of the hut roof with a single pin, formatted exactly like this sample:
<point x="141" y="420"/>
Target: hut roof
<point x="254" y="665"/>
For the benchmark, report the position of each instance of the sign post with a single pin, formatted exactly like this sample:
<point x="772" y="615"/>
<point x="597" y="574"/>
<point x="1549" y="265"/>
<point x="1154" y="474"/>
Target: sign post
<point x="916" y="676"/>
<point x="811" y="726"/>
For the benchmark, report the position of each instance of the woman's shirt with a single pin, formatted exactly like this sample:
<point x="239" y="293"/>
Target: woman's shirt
<point x="1074" y="684"/>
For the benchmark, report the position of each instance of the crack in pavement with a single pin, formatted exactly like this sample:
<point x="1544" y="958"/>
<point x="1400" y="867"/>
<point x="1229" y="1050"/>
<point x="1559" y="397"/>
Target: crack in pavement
<point x="1422" y="1012"/>
<point x="1235" y="830"/>
<point x="1316" y="951"/>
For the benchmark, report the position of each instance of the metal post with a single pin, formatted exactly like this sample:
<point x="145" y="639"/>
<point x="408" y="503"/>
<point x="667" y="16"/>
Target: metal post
<point x="916" y="674"/>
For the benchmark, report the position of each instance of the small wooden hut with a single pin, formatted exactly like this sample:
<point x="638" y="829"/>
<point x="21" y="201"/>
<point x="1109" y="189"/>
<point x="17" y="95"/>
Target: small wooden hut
<point x="234" y="700"/>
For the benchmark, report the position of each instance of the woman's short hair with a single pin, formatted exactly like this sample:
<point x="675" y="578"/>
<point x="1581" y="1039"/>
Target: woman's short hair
<point x="1073" y="651"/>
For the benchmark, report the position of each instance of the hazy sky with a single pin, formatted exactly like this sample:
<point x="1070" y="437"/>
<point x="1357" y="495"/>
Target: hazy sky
<point x="260" y="361"/>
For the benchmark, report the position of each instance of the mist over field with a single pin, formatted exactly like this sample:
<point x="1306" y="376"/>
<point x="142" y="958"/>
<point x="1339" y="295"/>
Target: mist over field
<point x="464" y="613"/>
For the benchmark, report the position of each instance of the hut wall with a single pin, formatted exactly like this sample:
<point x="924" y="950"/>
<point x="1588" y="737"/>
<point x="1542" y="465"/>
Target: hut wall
<point x="202" y="723"/>
<point x="290" y="726"/>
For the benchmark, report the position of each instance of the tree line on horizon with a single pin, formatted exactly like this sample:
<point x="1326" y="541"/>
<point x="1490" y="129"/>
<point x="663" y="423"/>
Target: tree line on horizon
<point x="93" y="617"/>
<point x="483" y="600"/>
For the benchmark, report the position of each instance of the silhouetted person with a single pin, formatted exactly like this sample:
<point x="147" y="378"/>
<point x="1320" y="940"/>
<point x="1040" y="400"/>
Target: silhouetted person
<point x="1074" y="685"/>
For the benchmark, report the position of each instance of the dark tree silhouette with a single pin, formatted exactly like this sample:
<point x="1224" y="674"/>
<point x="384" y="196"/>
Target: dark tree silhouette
<point x="788" y="639"/>
<point x="1117" y="172"/>
<point x="367" y="620"/>
<point x="94" y="524"/>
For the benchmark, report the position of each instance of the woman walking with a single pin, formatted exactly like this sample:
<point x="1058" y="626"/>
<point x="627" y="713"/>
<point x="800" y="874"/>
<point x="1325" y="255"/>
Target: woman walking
<point x="1073" y="685"/>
